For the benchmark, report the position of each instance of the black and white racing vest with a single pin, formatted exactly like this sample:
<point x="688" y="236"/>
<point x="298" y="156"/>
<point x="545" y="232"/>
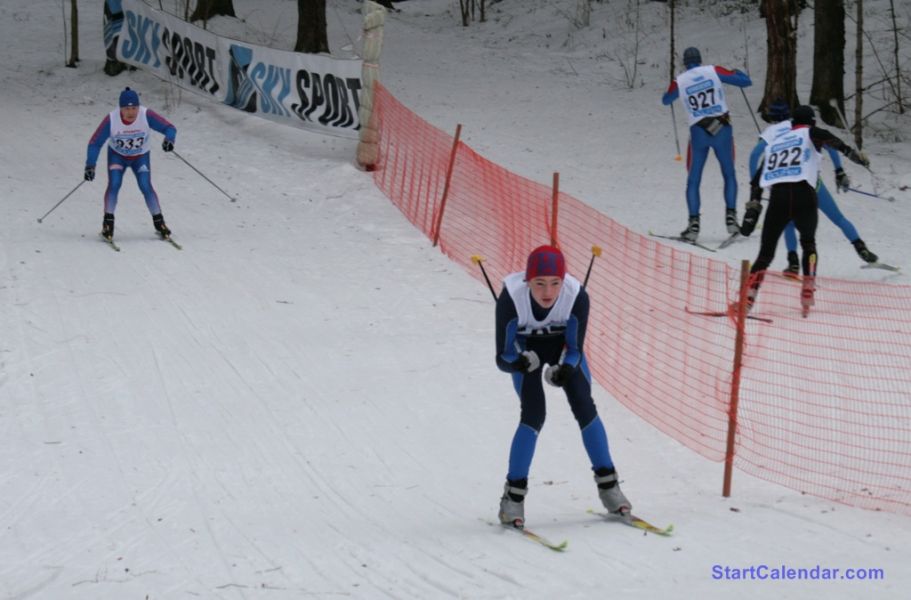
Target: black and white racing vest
<point x="555" y="321"/>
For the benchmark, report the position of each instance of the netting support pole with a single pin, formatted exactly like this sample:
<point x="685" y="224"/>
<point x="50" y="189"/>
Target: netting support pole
<point x="741" y="317"/>
<point x="438" y="224"/>
<point x="553" y="213"/>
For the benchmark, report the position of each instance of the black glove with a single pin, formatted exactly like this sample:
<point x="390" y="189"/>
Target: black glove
<point x="842" y="181"/>
<point x="750" y="217"/>
<point x="527" y="362"/>
<point x="857" y="157"/>
<point x="167" y="145"/>
<point x="90" y="173"/>
<point x="755" y="193"/>
<point x="558" y="375"/>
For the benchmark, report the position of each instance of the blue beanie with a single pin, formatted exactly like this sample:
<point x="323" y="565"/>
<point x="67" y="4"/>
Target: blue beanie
<point x="129" y="98"/>
<point x="779" y="111"/>
<point x="692" y="57"/>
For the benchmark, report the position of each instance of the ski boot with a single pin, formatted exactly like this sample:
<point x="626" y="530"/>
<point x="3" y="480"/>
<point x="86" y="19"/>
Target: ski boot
<point x="793" y="270"/>
<point x="512" y="504"/>
<point x="107" y="226"/>
<point x="692" y="230"/>
<point x="730" y="220"/>
<point x="863" y="252"/>
<point x="160" y="227"/>
<point x="609" y="490"/>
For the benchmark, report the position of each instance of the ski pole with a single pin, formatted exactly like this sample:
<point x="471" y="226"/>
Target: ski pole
<point x="174" y="152"/>
<point x="479" y="261"/>
<point x="750" y="108"/>
<point x="41" y="218"/>
<point x="676" y="139"/>
<point x="856" y="191"/>
<point x="596" y="251"/>
<point x="844" y="121"/>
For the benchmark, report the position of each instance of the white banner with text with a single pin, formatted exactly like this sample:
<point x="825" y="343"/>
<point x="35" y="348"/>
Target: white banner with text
<point x="312" y="91"/>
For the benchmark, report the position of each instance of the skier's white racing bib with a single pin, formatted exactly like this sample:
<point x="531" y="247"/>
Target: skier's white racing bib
<point x="702" y="93"/>
<point x="132" y="139"/>
<point x="790" y="157"/>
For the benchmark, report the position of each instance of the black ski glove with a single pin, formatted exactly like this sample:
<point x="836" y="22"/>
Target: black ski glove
<point x="90" y="173"/>
<point x="750" y="217"/>
<point x="527" y="362"/>
<point x="558" y="375"/>
<point x="167" y="145"/>
<point x="842" y="181"/>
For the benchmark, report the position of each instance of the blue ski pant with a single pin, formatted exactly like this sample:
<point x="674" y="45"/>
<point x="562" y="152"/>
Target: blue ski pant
<point x="701" y="141"/>
<point x="830" y="209"/>
<point x="530" y="387"/>
<point x="142" y="169"/>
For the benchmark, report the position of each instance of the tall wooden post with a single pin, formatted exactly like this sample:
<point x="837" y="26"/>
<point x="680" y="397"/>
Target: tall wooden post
<point x="554" y="241"/>
<point x="438" y="224"/>
<point x="735" y="378"/>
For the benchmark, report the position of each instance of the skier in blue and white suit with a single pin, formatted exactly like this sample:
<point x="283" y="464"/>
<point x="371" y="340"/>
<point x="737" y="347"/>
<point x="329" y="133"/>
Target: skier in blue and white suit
<point x="127" y="131"/>
<point x="541" y="319"/>
<point x="779" y="113"/>
<point x="710" y="128"/>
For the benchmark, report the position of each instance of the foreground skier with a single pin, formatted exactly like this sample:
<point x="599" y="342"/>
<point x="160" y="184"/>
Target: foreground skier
<point x="541" y="318"/>
<point x="128" y="131"/>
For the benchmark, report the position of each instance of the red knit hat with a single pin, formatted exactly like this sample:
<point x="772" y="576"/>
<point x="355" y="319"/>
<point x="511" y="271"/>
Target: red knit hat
<point x="545" y="261"/>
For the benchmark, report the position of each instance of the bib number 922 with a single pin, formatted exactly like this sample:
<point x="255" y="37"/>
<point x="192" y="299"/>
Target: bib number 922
<point x="789" y="157"/>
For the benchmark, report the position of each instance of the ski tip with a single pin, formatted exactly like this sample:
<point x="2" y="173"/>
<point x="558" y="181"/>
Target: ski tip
<point x="110" y="242"/>
<point x="649" y="528"/>
<point x="883" y="266"/>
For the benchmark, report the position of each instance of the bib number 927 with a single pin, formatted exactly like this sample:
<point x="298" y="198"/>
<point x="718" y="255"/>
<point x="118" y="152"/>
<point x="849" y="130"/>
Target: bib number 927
<point x="701" y="100"/>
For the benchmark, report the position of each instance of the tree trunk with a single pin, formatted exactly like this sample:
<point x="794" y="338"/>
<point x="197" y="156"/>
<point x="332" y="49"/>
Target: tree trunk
<point x="781" y="55"/>
<point x="829" y="60"/>
<point x="859" y="78"/>
<point x="311" y="27"/>
<point x="898" y="70"/>
<point x="206" y="9"/>
<point x="74" y="34"/>
<point x="672" y="5"/>
<point x="112" y="66"/>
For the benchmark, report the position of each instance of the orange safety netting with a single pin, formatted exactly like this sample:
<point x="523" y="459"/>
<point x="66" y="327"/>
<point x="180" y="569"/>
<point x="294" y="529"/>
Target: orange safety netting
<point x="824" y="401"/>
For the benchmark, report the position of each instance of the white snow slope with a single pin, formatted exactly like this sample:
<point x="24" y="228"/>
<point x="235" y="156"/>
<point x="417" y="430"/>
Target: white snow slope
<point x="303" y="402"/>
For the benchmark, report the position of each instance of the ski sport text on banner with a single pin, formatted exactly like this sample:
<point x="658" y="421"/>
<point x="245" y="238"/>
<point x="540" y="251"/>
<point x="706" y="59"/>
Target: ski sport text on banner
<point x="311" y="91"/>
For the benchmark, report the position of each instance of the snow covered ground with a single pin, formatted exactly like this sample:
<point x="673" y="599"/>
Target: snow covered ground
<point x="303" y="402"/>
